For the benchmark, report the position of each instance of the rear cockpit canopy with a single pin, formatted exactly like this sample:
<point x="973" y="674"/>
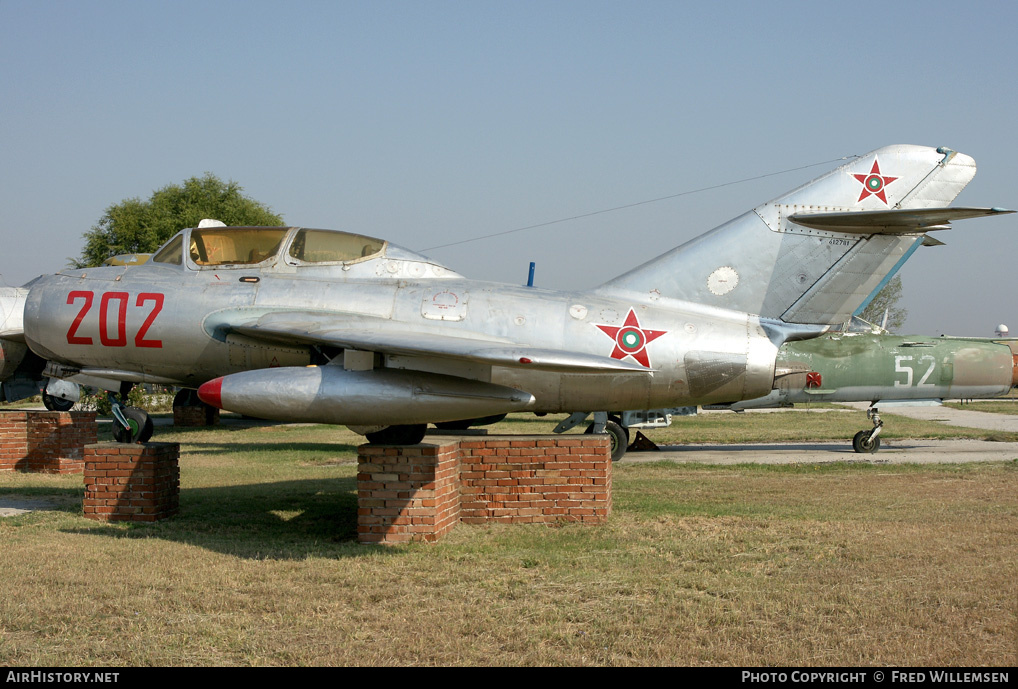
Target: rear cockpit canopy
<point x="325" y="246"/>
<point x="227" y="247"/>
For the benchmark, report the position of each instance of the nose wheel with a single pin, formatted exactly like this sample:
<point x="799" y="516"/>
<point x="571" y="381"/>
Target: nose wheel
<point x="132" y="425"/>
<point x="869" y="441"/>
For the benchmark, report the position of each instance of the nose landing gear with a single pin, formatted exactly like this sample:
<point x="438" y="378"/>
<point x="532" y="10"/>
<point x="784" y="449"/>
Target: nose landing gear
<point x="869" y="441"/>
<point x="130" y="424"/>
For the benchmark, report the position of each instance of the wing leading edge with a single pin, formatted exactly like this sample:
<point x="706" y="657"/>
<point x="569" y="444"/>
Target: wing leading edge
<point x="372" y="334"/>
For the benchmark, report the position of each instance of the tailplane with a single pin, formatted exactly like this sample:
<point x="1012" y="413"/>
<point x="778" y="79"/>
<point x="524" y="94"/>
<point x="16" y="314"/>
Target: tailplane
<point x="813" y="255"/>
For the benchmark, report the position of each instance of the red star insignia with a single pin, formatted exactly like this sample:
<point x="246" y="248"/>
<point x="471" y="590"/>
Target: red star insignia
<point x="874" y="183"/>
<point x="630" y="339"/>
<point x="814" y="380"/>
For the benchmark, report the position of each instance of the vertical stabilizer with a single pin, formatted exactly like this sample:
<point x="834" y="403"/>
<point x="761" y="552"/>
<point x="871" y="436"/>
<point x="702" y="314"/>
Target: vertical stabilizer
<point x="12" y="312"/>
<point x="770" y="263"/>
<point x="12" y="344"/>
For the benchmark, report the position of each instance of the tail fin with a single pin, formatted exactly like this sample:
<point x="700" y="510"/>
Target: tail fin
<point x="813" y="255"/>
<point x="13" y="350"/>
<point x="12" y="312"/>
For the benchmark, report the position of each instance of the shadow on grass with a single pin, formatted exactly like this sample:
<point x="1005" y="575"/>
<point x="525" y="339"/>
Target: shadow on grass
<point x="290" y="520"/>
<point x="273" y="446"/>
<point x="226" y="426"/>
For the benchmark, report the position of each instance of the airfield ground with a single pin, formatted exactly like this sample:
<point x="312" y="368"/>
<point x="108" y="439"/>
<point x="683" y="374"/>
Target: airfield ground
<point x="710" y="558"/>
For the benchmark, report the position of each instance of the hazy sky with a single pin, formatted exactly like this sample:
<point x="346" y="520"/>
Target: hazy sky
<point x="431" y="122"/>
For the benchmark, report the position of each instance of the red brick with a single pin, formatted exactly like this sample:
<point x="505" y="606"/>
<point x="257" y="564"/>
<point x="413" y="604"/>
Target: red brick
<point x="135" y="482"/>
<point x="509" y="479"/>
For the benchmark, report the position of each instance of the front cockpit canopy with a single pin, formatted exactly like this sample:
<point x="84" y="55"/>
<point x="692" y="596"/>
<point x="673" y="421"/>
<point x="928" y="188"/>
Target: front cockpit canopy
<point x="228" y="246"/>
<point x="859" y="325"/>
<point x="218" y="246"/>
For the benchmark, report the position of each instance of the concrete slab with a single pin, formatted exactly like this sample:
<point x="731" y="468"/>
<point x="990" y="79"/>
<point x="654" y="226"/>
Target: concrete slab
<point x="14" y="505"/>
<point x="950" y="416"/>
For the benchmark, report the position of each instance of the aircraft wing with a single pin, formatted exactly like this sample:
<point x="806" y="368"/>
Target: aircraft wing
<point x="368" y="333"/>
<point x="897" y="221"/>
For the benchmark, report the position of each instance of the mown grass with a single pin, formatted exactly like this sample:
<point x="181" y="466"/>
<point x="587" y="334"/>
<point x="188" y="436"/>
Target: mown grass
<point x="834" y="564"/>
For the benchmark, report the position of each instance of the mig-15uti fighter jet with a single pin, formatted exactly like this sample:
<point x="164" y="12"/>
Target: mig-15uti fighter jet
<point x="308" y="325"/>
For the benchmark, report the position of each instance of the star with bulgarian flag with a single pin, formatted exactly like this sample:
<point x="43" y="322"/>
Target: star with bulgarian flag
<point x="873" y="184"/>
<point x="630" y="339"/>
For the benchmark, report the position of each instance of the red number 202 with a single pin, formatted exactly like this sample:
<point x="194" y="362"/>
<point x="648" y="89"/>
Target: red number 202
<point x="120" y="338"/>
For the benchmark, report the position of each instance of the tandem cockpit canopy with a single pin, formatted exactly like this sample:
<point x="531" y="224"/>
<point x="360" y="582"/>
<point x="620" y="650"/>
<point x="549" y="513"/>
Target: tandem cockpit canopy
<point x="223" y="247"/>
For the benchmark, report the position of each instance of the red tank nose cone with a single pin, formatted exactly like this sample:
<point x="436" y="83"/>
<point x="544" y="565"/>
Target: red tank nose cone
<point x="211" y="393"/>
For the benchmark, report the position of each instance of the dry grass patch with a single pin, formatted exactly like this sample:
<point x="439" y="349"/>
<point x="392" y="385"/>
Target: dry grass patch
<point x="747" y="565"/>
<point x="849" y="564"/>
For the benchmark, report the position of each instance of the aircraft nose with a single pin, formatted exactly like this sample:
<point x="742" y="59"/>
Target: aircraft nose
<point x="211" y="393"/>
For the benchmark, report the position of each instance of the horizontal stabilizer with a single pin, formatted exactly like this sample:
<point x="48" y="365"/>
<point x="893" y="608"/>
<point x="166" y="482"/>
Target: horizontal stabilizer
<point x="896" y="221"/>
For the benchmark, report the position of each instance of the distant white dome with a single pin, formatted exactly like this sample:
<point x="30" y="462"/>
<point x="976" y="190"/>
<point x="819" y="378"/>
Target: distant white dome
<point x="1002" y="330"/>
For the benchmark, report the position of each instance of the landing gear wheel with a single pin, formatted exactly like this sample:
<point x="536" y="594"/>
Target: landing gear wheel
<point x="862" y="443"/>
<point x="56" y="403"/>
<point x="619" y="438"/>
<point x="186" y="397"/>
<point x="454" y="425"/>
<point x="398" y="435"/>
<point x="140" y="426"/>
<point x="464" y="424"/>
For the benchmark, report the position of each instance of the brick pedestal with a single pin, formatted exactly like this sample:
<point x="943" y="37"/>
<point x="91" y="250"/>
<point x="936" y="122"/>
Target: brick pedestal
<point x="407" y="493"/>
<point x="139" y="482"/>
<point x="45" y="441"/>
<point x="420" y="492"/>
<point x="202" y="415"/>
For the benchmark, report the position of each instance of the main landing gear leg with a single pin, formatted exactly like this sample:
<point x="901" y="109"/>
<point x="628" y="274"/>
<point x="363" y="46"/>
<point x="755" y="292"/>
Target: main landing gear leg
<point x="869" y="441"/>
<point x="603" y="423"/>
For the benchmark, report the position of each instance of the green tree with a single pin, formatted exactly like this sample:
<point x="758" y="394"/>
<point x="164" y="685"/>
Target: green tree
<point x="887" y="299"/>
<point x="135" y="226"/>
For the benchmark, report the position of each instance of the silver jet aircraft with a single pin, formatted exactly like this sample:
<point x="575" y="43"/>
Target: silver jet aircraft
<point x="299" y="324"/>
